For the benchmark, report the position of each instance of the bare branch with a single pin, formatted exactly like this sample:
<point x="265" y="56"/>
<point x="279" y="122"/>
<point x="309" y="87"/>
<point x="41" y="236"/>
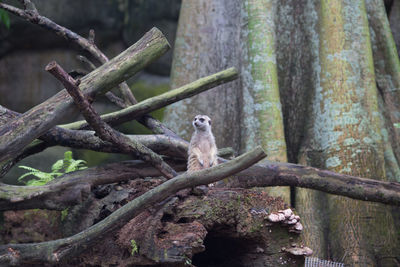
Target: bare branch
<point x="156" y="102"/>
<point x="57" y="250"/>
<point x="110" y="95"/>
<point x="154" y="125"/>
<point x="73" y="188"/>
<point x="86" y="61"/>
<point x="104" y="131"/>
<point x="19" y="132"/>
<point x="286" y="174"/>
<point x="161" y="144"/>
<point x="35" y="147"/>
<point x="91" y="36"/>
<point x="260" y="175"/>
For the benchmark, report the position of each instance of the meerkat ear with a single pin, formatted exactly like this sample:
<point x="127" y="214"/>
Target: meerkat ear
<point x="209" y="122"/>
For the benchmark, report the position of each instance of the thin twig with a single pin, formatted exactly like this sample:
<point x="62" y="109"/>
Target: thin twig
<point x="91" y="36"/>
<point x="85" y="60"/>
<point x="103" y="130"/>
<point x="110" y="95"/>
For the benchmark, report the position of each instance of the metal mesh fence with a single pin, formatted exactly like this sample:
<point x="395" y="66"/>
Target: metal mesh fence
<point x="315" y="262"/>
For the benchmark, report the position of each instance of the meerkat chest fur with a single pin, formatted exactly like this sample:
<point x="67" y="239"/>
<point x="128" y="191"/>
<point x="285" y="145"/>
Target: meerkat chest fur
<point x="202" y="148"/>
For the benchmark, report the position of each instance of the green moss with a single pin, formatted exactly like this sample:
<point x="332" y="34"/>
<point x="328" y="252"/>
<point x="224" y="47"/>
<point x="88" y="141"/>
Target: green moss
<point x="256" y="227"/>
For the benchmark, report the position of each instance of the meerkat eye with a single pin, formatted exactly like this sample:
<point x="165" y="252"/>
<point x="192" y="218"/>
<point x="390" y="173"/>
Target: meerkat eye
<point x="201" y="120"/>
<point x="195" y="119"/>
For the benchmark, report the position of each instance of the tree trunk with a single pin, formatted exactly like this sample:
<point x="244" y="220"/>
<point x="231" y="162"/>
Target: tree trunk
<point x="207" y="29"/>
<point x="346" y="128"/>
<point x="235" y="32"/>
<point x="324" y="52"/>
<point x="261" y="111"/>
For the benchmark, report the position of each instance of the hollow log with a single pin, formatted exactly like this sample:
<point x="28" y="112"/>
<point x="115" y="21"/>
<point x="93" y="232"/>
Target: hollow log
<point x="204" y="227"/>
<point x="63" y="249"/>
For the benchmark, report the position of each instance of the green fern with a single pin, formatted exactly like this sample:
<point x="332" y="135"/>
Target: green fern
<point x="66" y="165"/>
<point x="135" y="248"/>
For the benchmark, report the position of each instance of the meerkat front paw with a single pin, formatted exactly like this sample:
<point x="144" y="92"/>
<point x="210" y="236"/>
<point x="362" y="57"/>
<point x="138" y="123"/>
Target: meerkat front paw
<point x="201" y="162"/>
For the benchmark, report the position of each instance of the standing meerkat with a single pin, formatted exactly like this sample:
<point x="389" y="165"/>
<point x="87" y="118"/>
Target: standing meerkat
<point x="202" y="148"/>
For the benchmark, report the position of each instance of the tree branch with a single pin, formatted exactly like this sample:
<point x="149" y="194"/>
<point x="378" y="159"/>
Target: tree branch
<point x="112" y="97"/>
<point x="156" y="102"/>
<point x="161" y="144"/>
<point x="18" y="133"/>
<point x="57" y="250"/>
<point x="73" y="188"/>
<point x="88" y="45"/>
<point x="260" y="175"/>
<point x="287" y="174"/>
<point x="104" y="131"/>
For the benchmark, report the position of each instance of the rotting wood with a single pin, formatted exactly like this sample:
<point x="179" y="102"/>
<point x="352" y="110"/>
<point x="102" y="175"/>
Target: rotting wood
<point x="56" y="250"/>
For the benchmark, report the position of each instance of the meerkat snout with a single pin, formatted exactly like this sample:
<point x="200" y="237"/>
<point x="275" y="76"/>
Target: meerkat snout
<point x="202" y="123"/>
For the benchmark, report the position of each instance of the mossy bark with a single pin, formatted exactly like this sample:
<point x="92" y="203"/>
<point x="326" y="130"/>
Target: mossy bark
<point x="159" y="101"/>
<point x="262" y="121"/>
<point x="387" y="72"/>
<point x="346" y="135"/>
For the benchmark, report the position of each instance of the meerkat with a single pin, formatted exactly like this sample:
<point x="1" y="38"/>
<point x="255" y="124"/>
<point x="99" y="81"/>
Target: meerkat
<point x="202" y="148"/>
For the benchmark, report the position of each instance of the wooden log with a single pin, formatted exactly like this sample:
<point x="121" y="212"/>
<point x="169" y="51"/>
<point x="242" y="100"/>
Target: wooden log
<point x="105" y="131"/>
<point x="156" y="102"/>
<point x="18" y="133"/>
<point x="54" y="251"/>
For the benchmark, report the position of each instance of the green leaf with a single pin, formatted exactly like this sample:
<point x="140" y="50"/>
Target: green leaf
<point x="24" y="175"/>
<point x="135" y="248"/>
<point x="68" y="155"/>
<point x="5" y="18"/>
<point x="68" y="164"/>
<point x="57" y="166"/>
<point x="75" y="165"/>
<point x="29" y="168"/>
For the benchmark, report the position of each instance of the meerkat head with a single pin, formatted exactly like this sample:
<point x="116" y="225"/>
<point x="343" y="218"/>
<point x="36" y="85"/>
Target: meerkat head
<point x="202" y="123"/>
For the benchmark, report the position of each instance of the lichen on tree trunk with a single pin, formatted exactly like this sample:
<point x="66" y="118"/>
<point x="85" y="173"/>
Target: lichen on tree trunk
<point x="262" y="121"/>
<point x="345" y="133"/>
